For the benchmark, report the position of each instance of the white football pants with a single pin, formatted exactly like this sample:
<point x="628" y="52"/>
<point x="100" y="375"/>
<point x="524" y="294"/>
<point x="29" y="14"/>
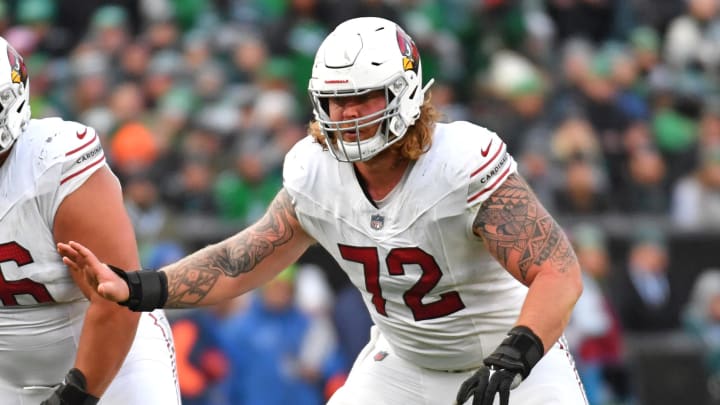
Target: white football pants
<point x="379" y="377"/>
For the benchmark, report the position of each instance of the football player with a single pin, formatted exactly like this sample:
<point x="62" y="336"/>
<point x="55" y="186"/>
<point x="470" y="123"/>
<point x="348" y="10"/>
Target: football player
<point x="468" y="279"/>
<point x="60" y="342"/>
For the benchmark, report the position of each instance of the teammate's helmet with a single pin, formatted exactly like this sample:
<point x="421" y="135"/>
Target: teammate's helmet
<point x="14" y="95"/>
<point x="360" y="56"/>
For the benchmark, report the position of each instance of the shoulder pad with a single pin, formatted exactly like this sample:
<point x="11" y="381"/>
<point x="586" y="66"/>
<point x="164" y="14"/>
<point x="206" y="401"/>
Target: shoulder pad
<point x="73" y="145"/>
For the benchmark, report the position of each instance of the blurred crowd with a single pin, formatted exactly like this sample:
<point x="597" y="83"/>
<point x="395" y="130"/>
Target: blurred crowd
<point x="610" y="107"/>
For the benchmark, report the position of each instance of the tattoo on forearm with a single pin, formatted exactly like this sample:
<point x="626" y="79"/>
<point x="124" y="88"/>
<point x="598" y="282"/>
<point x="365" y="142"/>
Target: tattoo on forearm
<point x="193" y="277"/>
<point x="512" y="220"/>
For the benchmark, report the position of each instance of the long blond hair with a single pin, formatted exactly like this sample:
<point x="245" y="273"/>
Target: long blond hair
<point x="416" y="141"/>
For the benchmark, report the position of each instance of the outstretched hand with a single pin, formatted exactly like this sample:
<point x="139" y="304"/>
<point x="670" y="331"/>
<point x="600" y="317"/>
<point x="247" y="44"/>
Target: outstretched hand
<point x="81" y="259"/>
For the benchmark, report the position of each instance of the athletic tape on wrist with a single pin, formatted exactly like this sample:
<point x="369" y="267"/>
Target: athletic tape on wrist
<point x="148" y="288"/>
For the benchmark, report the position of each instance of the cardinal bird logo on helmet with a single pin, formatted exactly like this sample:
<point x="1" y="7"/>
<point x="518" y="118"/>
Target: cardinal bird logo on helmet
<point x="18" y="71"/>
<point x="411" y="55"/>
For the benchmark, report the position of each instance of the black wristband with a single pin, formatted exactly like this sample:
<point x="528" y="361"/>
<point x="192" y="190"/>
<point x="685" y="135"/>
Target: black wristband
<point x="72" y="391"/>
<point x="148" y="288"/>
<point x="527" y="343"/>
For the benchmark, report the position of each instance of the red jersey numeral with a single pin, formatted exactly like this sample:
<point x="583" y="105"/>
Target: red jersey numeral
<point x="9" y="290"/>
<point x="396" y="260"/>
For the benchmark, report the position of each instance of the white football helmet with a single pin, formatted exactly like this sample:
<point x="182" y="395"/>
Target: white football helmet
<point x="14" y="95"/>
<point x="360" y="56"/>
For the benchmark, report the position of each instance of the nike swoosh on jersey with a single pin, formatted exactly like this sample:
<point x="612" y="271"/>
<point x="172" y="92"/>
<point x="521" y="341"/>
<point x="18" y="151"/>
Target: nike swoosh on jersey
<point x="82" y="134"/>
<point x="486" y="150"/>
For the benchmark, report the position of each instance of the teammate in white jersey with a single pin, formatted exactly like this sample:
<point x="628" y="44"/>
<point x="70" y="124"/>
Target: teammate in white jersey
<point x="61" y="343"/>
<point x="469" y="280"/>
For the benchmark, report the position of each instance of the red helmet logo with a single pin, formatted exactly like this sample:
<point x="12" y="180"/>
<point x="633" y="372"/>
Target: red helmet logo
<point x="18" y="71"/>
<point x="411" y="55"/>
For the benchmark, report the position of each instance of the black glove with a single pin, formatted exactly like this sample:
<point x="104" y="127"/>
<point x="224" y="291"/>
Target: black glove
<point x="504" y="369"/>
<point x="72" y="391"/>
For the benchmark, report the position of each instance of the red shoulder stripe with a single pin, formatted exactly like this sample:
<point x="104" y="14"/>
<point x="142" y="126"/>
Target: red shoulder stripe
<point x="84" y="169"/>
<point x="490" y="187"/>
<point x="83" y="146"/>
<point x="489" y="162"/>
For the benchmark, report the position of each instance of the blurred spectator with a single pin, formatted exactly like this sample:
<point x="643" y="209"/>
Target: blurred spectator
<point x="693" y="39"/>
<point x="244" y="191"/>
<point x="642" y="293"/>
<point x="626" y="75"/>
<point x="134" y="62"/>
<point x="702" y="320"/>
<point x="89" y="81"/>
<point x="594" y="333"/>
<point x="133" y="148"/>
<point x="271" y="339"/>
<point x="38" y="17"/>
<point x="445" y="99"/>
<point x="645" y="48"/>
<point x="298" y="34"/>
<point x="582" y="193"/>
<point x="126" y="102"/>
<point x="352" y="321"/>
<point x="148" y="214"/>
<point x="162" y="34"/>
<point x="573" y="138"/>
<point x="109" y="30"/>
<point x="197" y="51"/>
<point x="201" y="357"/>
<point x="484" y="28"/>
<point x="675" y="124"/>
<point x="189" y="190"/>
<point x="696" y="197"/>
<point x="575" y="57"/>
<point x="709" y="128"/>
<point x="645" y="188"/>
<point x="173" y="116"/>
<point x="320" y="350"/>
<point x="163" y="69"/>
<point x="521" y="88"/>
<point x="546" y="155"/>
<point x="598" y="101"/>
<point x="249" y="57"/>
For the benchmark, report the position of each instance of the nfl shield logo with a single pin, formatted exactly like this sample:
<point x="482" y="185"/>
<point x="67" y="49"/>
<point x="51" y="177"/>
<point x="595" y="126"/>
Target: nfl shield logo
<point x="377" y="221"/>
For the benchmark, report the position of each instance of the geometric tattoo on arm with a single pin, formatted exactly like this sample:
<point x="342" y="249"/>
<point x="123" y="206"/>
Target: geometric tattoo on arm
<point x="192" y="278"/>
<point x="519" y="232"/>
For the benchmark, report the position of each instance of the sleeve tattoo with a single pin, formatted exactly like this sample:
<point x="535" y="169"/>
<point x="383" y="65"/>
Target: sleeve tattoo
<point x="514" y="224"/>
<point x="193" y="277"/>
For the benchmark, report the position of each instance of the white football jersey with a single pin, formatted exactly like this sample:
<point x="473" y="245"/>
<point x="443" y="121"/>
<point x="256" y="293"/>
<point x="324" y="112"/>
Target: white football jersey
<point x="48" y="162"/>
<point x="41" y="308"/>
<point x="441" y="300"/>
